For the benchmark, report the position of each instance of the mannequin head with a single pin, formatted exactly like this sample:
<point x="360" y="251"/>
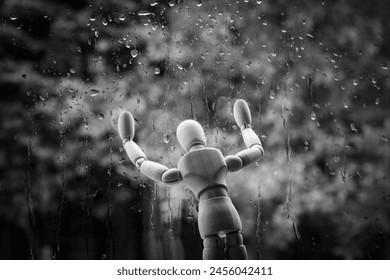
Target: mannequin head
<point x="190" y="135"/>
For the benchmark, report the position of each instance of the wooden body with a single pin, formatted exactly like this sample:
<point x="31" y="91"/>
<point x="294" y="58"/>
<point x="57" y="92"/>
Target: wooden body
<point x="202" y="169"/>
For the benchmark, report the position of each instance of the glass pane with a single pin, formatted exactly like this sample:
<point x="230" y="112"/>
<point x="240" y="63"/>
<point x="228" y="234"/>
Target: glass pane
<point x="314" y="73"/>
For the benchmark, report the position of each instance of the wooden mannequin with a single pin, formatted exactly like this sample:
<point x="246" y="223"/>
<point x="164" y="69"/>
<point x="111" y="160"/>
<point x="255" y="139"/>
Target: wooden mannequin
<point x="203" y="170"/>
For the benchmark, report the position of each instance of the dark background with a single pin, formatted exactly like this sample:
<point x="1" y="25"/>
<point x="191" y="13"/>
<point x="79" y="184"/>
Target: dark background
<point x="316" y="77"/>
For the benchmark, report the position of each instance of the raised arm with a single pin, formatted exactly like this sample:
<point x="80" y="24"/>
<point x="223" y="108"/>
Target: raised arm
<point x="151" y="169"/>
<point x="254" y="149"/>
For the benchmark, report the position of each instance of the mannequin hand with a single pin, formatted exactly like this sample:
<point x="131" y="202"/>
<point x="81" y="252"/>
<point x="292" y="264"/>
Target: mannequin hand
<point x="242" y="114"/>
<point x="126" y="126"/>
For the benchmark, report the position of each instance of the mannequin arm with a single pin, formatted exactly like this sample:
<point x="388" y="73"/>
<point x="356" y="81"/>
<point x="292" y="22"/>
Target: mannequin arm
<point x="254" y="149"/>
<point x="151" y="169"/>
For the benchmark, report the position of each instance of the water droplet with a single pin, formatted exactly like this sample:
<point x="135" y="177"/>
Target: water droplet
<point x="171" y="3"/>
<point x="122" y="17"/>
<point x="179" y="66"/>
<point x="310" y="35"/>
<point x="104" y="22"/>
<point x="306" y="144"/>
<point x="377" y="101"/>
<point x="384" y="139"/>
<point x="12" y="17"/>
<point x="122" y="160"/>
<point x="167" y="137"/>
<point x="273" y="53"/>
<point x="145" y="13"/>
<point x="304" y="21"/>
<point x="94" y="92"/>
<point x="259" y="2"/>
<point x="24" y="76"/>
<point x="101" y="116"/>
<point x="272" y="94"/>
<point x="385" y="66"/>
<point x="355" y="82"/>
<point x="343" y="175"/>
<point x="199" y="3"/>
<point x="154" y="4"/>
<point x="134" y="53"/>
<point x="353" y="127"/>
<point x="313" y="116"/>
<point x="336" y="159"/>
<point x="72" y="71"/>
<point x="157" y="71"/>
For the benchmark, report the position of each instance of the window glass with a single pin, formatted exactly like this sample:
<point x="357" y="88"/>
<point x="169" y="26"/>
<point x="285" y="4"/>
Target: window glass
<point x="314" y="73"/>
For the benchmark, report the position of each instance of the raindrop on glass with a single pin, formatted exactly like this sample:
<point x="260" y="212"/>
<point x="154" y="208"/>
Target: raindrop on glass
<point x="94" y="92"/>
<point x="272" y="94"/>
<point x="145" y="13"/>
<point x="199" y="3"/>
<point x="166" y="138"/>
<point x="355" y="82"/>
<point x="306" y="144"/>
<point x="179" y="66"/>
<point x="384" y="139"/>
<point x="134" y="53"/>
<point x="353" y="127"/>
<point x="157" y="71"/>
<point x="12" y="17"/>
<point x="313" y="116"/>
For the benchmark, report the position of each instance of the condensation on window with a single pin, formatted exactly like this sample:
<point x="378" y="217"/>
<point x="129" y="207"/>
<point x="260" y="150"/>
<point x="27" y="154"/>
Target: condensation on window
<point x="314" y="73"/>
